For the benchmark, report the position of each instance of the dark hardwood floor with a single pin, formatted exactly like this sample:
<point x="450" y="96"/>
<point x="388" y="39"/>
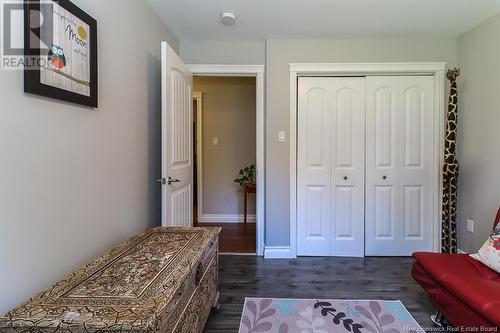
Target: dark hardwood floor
<point x="314" y="277"/>
<point x="234" y="237"/>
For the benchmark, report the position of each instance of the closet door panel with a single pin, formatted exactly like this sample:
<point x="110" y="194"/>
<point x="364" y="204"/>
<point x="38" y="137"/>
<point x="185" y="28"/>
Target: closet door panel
<point x="399" y="157"/>
<point x="416" y="173"/>
<point x="384" y="214"/>
<point x="414" y="212"/>
<point x="348" y="166"/>
<point x="345" y="112"/>
<point x="330" y="164"/>
<point x="382" y="149"/>
<point x="383" y="131"/>
<point x="314" y="167"/>
<point x="413" y="118"/>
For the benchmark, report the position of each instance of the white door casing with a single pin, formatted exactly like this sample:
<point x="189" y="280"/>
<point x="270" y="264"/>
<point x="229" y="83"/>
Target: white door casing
<point x="330" y="205"/>
<point x="198" y="97"/>
<point x="399" y="164"/>
<point x="257" y="71"/>
<point x="177" y="137"/>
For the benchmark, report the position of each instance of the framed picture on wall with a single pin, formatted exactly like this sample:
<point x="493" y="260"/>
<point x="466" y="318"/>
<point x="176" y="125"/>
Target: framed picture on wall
<point x="62" y="40"/>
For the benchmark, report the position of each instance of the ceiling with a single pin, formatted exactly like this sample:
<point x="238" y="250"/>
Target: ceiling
<point x="267" y="19"/>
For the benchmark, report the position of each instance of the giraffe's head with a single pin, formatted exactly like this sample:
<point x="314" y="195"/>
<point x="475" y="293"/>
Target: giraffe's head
<point x="452" y="74"/>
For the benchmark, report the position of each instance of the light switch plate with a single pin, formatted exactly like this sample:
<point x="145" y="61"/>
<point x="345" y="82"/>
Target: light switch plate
<point x="281" y="136"/>
<point x="470" y="225"/>
<point x="215" y="141"/>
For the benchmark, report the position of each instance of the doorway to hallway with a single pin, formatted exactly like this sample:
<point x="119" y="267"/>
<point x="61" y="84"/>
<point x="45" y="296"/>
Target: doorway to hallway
<point x="224" y="155"/>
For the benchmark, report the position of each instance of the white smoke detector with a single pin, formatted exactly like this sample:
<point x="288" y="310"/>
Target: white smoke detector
<point x="227" y="17"/>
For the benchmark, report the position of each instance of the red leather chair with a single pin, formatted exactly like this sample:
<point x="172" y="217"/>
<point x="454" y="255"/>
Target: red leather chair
<point x="465" y="291"/>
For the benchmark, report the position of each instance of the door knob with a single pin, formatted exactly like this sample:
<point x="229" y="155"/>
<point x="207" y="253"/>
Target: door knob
<point x="172" y="180"/>
<point x="384" y="177"/>
<point x="345" y="177"/>
<point x="163" y="181"/>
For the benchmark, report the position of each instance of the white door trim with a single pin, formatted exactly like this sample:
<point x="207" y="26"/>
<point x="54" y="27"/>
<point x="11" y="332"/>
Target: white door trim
<point x="352" y="69"/>
<point x="198" y="96"/>
<point x="256" y="71"/>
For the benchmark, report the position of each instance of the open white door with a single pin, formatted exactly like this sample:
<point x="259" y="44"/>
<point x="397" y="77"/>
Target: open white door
<point x="177" y="137"/>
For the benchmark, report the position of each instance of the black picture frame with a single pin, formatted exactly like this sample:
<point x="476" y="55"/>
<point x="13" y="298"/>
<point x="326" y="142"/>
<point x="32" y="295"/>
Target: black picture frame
<point x="32" y="81"/>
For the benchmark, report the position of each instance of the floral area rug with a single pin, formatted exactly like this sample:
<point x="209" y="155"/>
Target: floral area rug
<point x="281" y="315"/>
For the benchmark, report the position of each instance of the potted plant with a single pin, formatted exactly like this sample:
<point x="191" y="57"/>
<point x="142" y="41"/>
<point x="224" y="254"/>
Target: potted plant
<point x="246" y="176"/>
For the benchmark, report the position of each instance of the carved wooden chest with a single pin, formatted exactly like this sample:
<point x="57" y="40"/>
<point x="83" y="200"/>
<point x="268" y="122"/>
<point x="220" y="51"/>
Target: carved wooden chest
<point x="162" y="280"/>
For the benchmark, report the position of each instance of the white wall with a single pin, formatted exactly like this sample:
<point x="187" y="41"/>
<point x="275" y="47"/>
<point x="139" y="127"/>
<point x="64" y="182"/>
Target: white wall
<point x="478" y="131"/>
<point x="74" y="182"/>
<point x="229" y="114"/>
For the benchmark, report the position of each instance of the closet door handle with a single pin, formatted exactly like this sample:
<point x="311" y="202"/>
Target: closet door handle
<point x="346" y="178"/>
<point x="384" y="177"/>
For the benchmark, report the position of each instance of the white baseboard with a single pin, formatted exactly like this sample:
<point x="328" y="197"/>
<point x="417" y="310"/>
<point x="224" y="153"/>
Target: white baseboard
<point x="226" y="218"/>
<point x="461" y="251"/>
<point x="277" y="252"/>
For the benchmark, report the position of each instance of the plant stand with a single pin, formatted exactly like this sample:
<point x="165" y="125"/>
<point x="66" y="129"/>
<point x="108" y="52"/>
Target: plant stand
<point x="249" y="188"/>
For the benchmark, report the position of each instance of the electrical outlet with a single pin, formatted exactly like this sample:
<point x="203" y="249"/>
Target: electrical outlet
<point x="470" y="225"/>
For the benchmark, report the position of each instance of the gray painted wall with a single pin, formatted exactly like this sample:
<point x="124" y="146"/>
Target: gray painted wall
<point x="478" y="132"/>
<point x="229" y="114"/>
<point x="278" y="53"/>
<point x="74" y="181"/>
<point x="282" y="52"/>
<point x="220" y="52"/>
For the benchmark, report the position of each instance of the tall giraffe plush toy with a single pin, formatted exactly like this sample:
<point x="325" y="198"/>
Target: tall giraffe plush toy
<point x="450" y="170"/>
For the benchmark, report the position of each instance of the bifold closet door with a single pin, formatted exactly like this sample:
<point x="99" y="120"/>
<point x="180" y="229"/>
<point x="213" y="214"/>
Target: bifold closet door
<point x="399" y="157"/>
<point x="330" y="165"/>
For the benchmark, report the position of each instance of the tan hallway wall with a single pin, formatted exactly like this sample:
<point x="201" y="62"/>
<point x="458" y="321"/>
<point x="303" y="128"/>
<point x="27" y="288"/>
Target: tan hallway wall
<point x="229" y="114"/>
